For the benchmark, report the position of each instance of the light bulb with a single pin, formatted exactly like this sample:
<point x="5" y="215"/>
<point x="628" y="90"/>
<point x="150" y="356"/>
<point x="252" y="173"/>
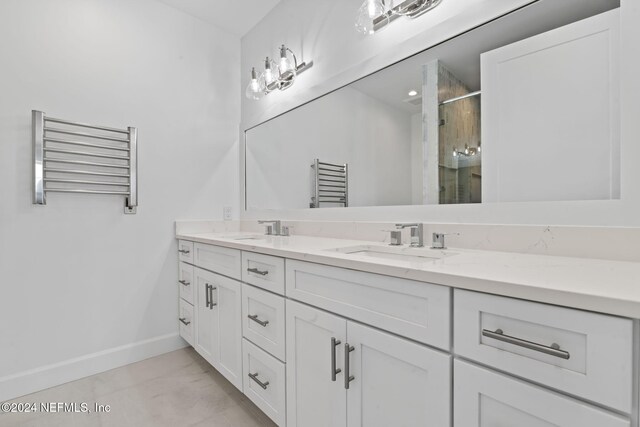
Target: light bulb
<point x="286" y="68"/>
<point x="479" y="148"/>
<point x="254" y="89"/>
<point x="466" y="149"/>
<point x="269" y="74"/>
<point x="413" y="93"/>
<point x="455" y="152"/>
<point x="368" y="12"/>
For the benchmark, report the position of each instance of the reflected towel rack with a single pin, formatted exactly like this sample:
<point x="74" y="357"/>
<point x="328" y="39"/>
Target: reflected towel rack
<point x="95" y="160"/>
<point x="331" y="184"/>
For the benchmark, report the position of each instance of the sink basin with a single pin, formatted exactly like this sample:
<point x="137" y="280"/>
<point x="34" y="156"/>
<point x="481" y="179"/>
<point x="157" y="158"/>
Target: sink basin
<point x="392" y="253"/>
<point x="244" y="237"/>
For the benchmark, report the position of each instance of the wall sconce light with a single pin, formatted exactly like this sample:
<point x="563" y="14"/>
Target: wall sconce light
<point x="468" y="151"/>
<point x="375" y="14"/>
<point x="276" y="76"/>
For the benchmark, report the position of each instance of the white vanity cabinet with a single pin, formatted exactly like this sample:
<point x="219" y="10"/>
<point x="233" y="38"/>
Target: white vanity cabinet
<point x="206" y="321"/>
<point x="417" y="310"/>
<point x="218" y="329"/>
<point x="585" y="354"/>
<point x="342" y="373"/>
<point x="186" y="285"/>
<point x="483" y="398"/>
<point x="315" y="352"/>
<point x="320" y="345"/>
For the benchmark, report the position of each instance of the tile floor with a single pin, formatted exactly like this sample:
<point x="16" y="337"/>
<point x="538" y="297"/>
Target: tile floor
<point x="175" y="389"/>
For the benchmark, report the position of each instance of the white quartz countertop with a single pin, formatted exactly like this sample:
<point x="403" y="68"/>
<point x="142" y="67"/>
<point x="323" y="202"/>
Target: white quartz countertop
<point x="611" y="287"/>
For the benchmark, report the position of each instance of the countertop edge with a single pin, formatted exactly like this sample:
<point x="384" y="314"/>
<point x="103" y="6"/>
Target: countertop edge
<point x="557" y="297"/>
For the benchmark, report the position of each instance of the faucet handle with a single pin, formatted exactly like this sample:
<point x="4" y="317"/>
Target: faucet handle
<point x="438" y="240"/>
<point x="395" y="237"/>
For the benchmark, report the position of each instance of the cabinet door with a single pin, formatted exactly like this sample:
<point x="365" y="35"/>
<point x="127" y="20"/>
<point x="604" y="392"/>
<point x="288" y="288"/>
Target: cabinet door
<point x="396" y="382"/>
<point x="206" y="321"/>
<point x="487" y="399"/>
<point x="228" y="307"/>
<point x="313" y="398"/>
<point x="554" y="96"/>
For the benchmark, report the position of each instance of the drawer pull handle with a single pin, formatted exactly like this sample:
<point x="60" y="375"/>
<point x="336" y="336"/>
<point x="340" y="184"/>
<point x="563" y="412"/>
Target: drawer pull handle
<point x="334" y="343"/>
<point x="184" y="282"/>
<point x="347" y="368"/>
<point x="260" y="383"/>
<point x="184" y="321"/>
<point x="553" y="349"/>
<point x="184" y="251"/>
<point x="262" y="323"/>
<point x="211" y="303"/>
<point x="256" y="271"/>
<point x="209" y="296"/>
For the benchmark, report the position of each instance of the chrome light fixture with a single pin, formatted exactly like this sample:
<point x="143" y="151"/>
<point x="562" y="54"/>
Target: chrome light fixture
<point x="269" y="77"/>
<point x="468" y="151"/>
<point x="255" y="89"/>
<point x="367" y="14"/>
<point x="276" y="76"/>
<point x="375" y="14"/>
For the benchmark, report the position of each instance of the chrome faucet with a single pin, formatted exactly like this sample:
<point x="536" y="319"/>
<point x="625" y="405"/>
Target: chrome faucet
<point x="274" y="229"/>
<point x="438" y="240"/>
<point x="417" y="233"/>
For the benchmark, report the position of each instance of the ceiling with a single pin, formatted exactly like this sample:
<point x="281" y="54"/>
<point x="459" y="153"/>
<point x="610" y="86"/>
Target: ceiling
<point x="236" y="17"/>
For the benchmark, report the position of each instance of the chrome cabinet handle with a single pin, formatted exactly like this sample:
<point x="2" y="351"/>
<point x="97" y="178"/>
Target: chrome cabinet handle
<point x="184" y="321"/>
<point x="256" y="271"/>
<point x="347" y="368"/>
<point x="211" y="303"/>
<point x="260" y="383"/>
<point x="184" y="251"/>
<point x="262" y="323"/>
<point x="553" y="349"/>
<point x="184" y="282"/>
<point x="334" y="343"/>
<point x="207" y="295"/>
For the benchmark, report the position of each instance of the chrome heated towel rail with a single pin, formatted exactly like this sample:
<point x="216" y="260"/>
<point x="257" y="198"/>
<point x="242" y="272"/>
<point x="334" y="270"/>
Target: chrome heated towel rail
<point x="71" y="157"/>
<point x="331" y="184"/>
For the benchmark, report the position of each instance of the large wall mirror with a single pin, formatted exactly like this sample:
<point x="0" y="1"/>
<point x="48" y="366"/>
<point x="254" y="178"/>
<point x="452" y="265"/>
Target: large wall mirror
<point x="524" y="108"/>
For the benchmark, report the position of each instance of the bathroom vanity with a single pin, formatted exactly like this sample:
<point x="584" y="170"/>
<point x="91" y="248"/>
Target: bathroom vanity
<point x="317" y="331"/>
<point x="329" y="332"/>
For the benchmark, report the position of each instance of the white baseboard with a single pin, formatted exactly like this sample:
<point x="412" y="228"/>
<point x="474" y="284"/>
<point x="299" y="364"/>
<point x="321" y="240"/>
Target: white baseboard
<point x="33" y="380"/>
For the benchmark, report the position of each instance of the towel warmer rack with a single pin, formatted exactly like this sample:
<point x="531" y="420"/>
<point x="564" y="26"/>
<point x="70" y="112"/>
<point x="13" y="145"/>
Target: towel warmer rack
<point x="71" y="157"/>
<point x="331" y="184"/>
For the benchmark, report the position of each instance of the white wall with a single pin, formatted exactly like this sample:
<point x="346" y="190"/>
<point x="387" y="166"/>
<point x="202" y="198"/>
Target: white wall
<point x="323" y="31"/>
<point x="346" y="126"/>
<point x="78" y="276"/>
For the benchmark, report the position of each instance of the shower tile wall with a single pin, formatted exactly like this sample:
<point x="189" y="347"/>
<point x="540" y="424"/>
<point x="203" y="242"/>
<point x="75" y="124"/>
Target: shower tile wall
<point x="458" y="125"/>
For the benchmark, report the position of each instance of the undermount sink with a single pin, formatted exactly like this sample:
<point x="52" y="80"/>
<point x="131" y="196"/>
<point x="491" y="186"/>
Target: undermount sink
<point x="244" y="237"/>
<point x="395" y="253"/>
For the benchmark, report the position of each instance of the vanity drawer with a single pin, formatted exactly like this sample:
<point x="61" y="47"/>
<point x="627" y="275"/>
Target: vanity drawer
<point x="486" y="398"/>
<point x="185" y="251"/>
<point x="220" y="260"/>
<point x="582" y="353"/>
<point x="185" y="281"/>
<point x="263" y="320"/>
<point x="264" y="381"/>
<point x="264" y="271"/>
<point x="185" y="320"/>
<point x="417" y="310"/>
